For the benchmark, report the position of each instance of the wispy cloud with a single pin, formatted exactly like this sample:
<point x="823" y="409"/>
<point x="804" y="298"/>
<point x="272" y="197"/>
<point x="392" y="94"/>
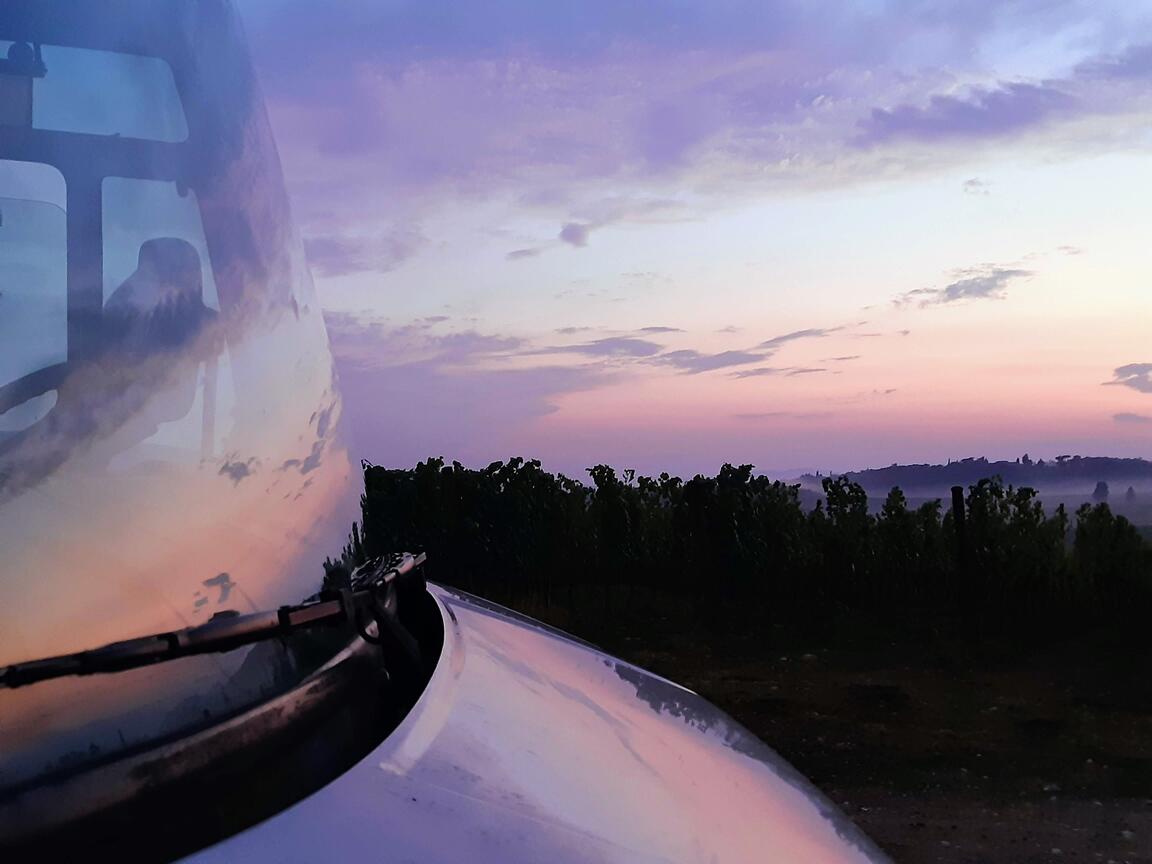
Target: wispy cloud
<point x="1129" y="418"/>
<point x="409" y="392"/>
<point x="1138" y="376"/>
<point x="976" y="186"/>
<point x="690" y="361"/>
<point x="1095" y="86"/>
<point x="1135" y="62"/>
<point x="982" y="113"/>
<point x="987" y="282"/>
<point x="694" y="362"/>
<point x="612" y="346"/>
<point x="809" y="333"/>
<point x="371" y="343"/>
<point x="770" y="371"/>
<point x="756" y="416"/>
<point x="576" y="234"/>
<point x="339" y="255"/>
<point x="805" y="370"/>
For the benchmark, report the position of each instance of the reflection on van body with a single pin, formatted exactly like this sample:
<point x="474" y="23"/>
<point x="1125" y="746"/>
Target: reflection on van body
<point x="169" y="426"/>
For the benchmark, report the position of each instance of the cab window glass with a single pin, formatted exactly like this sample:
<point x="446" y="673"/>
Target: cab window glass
<point x="96" y="92"/>
<point x="139" y="211"/>
<point x="33" y="289"/>
<point x="151" y="219"/>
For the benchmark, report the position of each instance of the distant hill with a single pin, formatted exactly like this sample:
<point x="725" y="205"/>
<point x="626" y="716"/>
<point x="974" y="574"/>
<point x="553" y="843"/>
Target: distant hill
<point x="1067" y="480"/>
<point x="1061" y="473"/>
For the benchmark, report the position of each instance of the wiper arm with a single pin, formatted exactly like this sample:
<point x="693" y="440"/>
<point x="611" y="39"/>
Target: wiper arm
<point x="371" y="598"/>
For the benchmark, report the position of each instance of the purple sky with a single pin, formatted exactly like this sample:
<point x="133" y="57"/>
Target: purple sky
<point x="669" y="234"/>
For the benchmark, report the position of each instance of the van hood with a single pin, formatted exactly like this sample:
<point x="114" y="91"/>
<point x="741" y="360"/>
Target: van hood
<point x="530" y="746"/>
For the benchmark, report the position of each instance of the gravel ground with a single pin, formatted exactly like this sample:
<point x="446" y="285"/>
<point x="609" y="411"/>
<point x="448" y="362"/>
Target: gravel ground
<point x="943" y="756"/>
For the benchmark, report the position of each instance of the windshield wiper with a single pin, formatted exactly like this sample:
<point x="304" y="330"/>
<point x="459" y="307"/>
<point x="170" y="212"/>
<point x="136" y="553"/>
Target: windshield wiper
<point x="370" y="600"/>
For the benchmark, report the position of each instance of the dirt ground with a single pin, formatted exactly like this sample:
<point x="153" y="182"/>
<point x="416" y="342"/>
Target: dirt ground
<point x="942" y="755"/>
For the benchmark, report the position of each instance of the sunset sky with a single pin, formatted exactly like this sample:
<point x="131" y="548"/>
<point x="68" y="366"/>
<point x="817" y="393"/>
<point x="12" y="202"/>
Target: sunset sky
<point x="668" y="234"/>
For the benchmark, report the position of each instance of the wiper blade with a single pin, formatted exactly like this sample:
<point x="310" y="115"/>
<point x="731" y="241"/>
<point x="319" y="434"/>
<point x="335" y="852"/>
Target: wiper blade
<point x="371" y="598"/>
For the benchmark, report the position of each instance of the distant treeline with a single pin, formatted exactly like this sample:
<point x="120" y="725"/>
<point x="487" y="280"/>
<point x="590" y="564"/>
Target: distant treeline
<point x="1061" y="471"/>
<point x="739" y="551"/>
